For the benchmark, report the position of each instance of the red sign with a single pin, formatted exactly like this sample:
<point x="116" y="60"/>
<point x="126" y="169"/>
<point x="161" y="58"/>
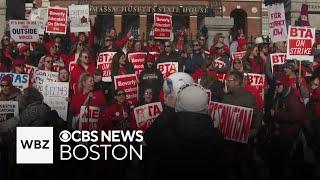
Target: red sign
<point x="30" y="69"/>
<point x="233" y="121"/>
<point x="238" y="55"/>
<point x="104" y="63"/>
<point x="146" y="114"/>
<point x="162" y="26"/>
<point x="295" y="44"/>
<point x="168" y="68"/>
<point x="277" y="60"/>
<point x="57" y="20"/>
<point x="129" y="84"/>
<point x="256" y="79"/>
<point x="137" y="59"/>
<point x="300" y="42"/>
<point x="89" y="118"/>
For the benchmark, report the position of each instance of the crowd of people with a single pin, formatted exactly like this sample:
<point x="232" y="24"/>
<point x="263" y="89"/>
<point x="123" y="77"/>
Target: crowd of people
<point x="286" y="118"/>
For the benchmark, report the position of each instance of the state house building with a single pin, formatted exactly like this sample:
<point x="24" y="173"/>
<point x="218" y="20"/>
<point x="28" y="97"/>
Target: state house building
<point x="138" y="14"/>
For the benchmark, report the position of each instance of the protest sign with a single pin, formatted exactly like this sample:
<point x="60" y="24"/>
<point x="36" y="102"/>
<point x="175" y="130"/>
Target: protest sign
<point x="255" y="79"/>
<point x="41" y="16"/>
<point x="30" y="70"/>
<point x="9" y="115"/>
<point x="44" y="76"/>
<point x="104" y="63"/>
<point x="168" y="68"/>
<point x="20" y="81"/>
<point x="55" y="94"/>
<point x="79" y="17"/>
<point x="300" y="42"/>
<point x="277" y="22"/>
<point x="89" y="117"/>
<point x="57" y="20"/>
<point x="49" y="76"/>
<point x="162" y="26"/>
<point x="146" y="114"/>
<point x="220" y="64"/>
<point x="277" y="60"/>
<point x="238" y="55"/>
<point x="8" y="110"/>
<point x="233" y="121"/>
<point x="24" y="31"/>
<point x="137" y="59"/>
<point x="129" y="84"/>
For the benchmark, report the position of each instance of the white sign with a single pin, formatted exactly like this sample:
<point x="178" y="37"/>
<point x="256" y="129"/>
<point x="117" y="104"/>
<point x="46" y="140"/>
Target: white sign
<point x="277" y="59"/>
<point x="300" y="43"/>
<point x="41" y="16"/>
<point x="44" y="76"/>
<point x="146" y="114"/>
<point x="104" y="63"/>
<point x="55" y="94"/>
<point x="233" y="122"/>
<point x="277" y="22"/>
<point x="79" y="17"/>
<point x="24" y="31"/>
<point x="20" y="81"/>
<point x="168" y="68"/>
<point x="8" y="110"/>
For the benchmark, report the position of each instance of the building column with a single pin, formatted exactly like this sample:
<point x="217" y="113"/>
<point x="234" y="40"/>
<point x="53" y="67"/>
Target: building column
<point x="218" y="25"/>
<point x="193" y="24"/>
<point x="118" y="22"/>
<point x="143" y="25"/>
<point x="2" y="17"/>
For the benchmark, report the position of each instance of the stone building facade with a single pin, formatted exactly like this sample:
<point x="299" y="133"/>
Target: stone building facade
<point x="123" y="14"/>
